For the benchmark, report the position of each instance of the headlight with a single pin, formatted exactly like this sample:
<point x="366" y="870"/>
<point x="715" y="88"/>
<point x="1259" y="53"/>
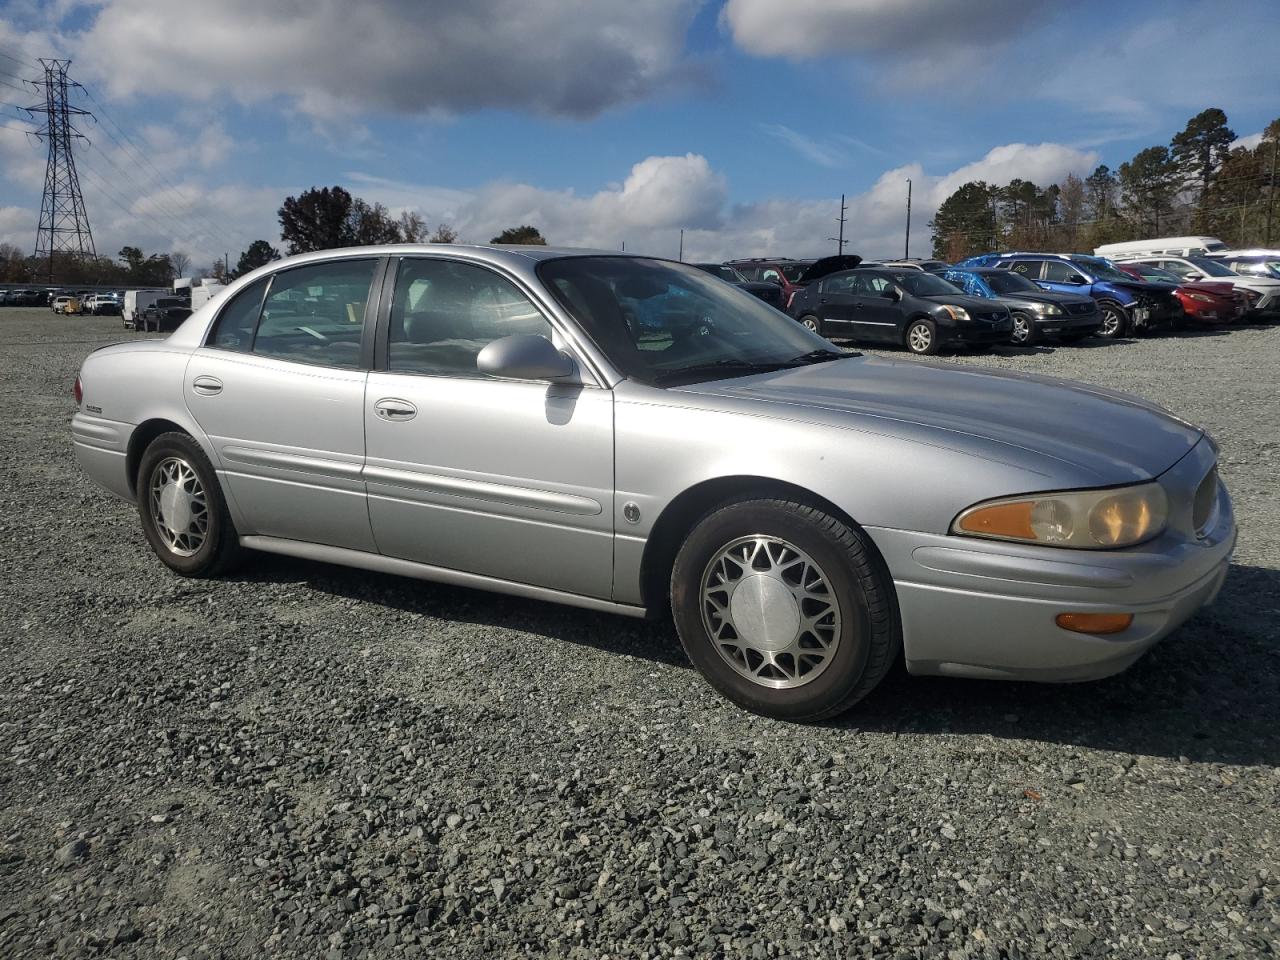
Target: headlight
<point x="1080" y="519"/>
<point x="1046" y="309"/>
<point x="957" y="313"/>
<point x="1200" y="298"/>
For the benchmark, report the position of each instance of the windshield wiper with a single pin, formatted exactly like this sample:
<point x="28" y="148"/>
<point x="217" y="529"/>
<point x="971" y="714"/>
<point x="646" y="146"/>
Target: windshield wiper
<point x="728" y="366"/>
<point x="821" y="355"/>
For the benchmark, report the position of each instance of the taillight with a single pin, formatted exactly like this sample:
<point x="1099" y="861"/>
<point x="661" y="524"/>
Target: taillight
<point x="79" y="391"/>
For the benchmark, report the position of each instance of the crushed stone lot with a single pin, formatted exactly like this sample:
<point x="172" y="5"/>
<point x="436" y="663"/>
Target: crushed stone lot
<point x="309" y="761"/>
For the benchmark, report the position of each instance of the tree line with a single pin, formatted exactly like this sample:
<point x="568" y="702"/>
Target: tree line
<point x="131" y="267"/>
<point x="1197" y="184"/>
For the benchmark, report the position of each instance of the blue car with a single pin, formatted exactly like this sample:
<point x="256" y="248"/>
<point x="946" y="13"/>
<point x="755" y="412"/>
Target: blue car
<point x="1037" y="312"/>
<point x="1127" y="305"/>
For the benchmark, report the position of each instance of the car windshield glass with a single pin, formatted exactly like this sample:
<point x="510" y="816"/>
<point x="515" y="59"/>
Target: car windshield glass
<point x="793" y="271"/>
<point x="1212" y="267"/>
<point x="921" y="284"/>
<point x="1102" y="270"/>
<point x="1157" y="275"/>
<point x="666" y="323"/>
<point x="1006" y="281"/>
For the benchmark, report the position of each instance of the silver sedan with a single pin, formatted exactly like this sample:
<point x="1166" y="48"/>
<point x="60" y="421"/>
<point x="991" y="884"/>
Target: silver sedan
<point x="634" y="435"/>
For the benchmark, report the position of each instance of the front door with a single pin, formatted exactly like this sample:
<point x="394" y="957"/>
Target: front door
<point x="504" y="478"/>
<point x="279" y="389"/>
<point x="837" y="305"/>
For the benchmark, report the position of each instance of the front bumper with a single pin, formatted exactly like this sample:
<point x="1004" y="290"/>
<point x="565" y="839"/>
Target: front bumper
<point x="1085" y="323"/>
<point x="974" y="608"/>
<point x="976" y="332"/>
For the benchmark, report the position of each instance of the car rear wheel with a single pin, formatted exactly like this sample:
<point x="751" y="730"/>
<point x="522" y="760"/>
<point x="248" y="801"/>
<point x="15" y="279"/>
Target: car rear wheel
<point x="810" y="322"/>
<point x="1115" y="322"/>
<point x="1024" y="330"/>
<point x="184" y="515"/>
<point x="922" y="337"/>
<point x="785" y="610"/>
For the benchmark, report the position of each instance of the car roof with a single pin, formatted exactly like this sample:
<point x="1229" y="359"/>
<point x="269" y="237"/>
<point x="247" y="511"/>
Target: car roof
<point x="493" y="253"/>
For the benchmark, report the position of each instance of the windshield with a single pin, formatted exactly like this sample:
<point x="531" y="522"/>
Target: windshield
<point x="1101" y="269"/>
<point x="1006" y="281"/>
<point x="728" y="274"/>
<point x="921" y="284"/>
<point x="1156" y="274"/>
<point x="662" y="323"/>
<point x="1212" y="267"/>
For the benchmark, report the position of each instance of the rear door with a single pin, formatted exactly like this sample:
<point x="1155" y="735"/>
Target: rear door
<point x="279" y="389"/>
<point x="836" y="302"/>
<point x="511" y="479"/>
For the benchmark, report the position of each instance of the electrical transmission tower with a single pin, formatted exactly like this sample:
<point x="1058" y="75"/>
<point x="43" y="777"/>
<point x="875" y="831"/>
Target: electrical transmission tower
<point x="64" y="224"/>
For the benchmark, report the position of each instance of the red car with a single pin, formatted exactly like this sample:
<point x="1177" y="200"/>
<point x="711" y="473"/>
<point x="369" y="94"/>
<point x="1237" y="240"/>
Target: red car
<point x="1203" y="301"/>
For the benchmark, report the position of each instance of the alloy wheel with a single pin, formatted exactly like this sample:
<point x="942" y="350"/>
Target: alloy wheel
<point x="1111" y="322"/>
<point x="770" y="612"/>
<point x="919" y="337"/>
<point x="179" y="506"/>
<point x="1021" y="329"/>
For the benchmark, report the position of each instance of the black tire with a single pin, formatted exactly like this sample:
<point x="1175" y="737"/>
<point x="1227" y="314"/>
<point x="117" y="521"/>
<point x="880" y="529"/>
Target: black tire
<point x="1115" y="321"/>
<point x="921" y="338"/>
<point x="869" y="639"/>
<point x="1024" y="330"/>
<point x="220" y="548"/>
<point x="813" y="323"/>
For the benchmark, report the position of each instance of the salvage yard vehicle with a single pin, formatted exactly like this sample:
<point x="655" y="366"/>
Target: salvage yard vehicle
<point x="910" y="308"/>
<point x="134" y="303"/>
<point x="1262" y="293"/>
<point x="1203" y="301"/>
<point x="1258" y="262"/>
<point x="781" y="271"/>
<point x="166" y="313"/>
<point x="1127" y="305"/>
<point x="1037" y="313"/>
<point x="1172" y="246"/>
<point x="489" y="417"/>
<point x="770" y="293"/>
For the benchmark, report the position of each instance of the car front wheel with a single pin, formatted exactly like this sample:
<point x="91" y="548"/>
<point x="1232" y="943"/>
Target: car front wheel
<point x="922" y="337"/>
<point x="1024" y="330"/>
<point x="784" y="609"/>
<point x="1114" y="322"/>
<point x="810" y="322"/>
<point x="183" y="513"/>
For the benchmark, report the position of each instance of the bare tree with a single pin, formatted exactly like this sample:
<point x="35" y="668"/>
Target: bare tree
<point x="444" y="234"/>
<point x="413" y="228"/>
<point x="180" y="263"/>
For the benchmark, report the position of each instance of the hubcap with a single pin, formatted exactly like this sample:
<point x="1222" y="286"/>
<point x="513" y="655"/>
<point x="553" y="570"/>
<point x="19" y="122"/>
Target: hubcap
<point x="770" y="612"/>
<point x="178" y="506"/>
<point x="1020" y="329"/>
<point x="920" y="338"/>
<point x="811" y="324"/>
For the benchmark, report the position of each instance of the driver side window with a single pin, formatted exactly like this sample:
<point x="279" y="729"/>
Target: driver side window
<point x="444" y="312"/>
<point x="1057" y="272"/>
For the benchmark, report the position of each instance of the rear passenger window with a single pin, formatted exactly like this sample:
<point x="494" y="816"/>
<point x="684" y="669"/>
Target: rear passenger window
<point x="444" y="312"/>
<point x="315" y="314"/>
<point x="233" y="330"/>
<point x="1028" y="268"/>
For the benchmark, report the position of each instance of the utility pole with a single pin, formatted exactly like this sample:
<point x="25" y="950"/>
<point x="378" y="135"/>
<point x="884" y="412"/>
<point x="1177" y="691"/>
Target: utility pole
<point x="1271" y="190"/>
<point x="681" y="257"/>
<point x="64" y="224"/>
<point x="906" y="247"/>
<point x="840" y="220"/>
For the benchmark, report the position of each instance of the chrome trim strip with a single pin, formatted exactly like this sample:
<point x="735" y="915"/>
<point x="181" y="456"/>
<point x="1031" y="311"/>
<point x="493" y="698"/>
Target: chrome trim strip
<point x="252" y="456"/>
<point x="484" y="491"/>
<point x="422" y="571"/>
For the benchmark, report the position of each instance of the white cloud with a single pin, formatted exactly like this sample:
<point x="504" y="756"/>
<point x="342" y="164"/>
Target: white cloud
<point x="402" y="56"/>
<point x="915" y="42"/>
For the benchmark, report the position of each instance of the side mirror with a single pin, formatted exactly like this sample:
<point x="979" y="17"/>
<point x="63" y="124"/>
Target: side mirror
<point x="524" y="357"/>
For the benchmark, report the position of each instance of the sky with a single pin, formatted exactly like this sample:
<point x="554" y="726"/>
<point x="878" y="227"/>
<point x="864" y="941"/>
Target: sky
<point x="610" y="122"/>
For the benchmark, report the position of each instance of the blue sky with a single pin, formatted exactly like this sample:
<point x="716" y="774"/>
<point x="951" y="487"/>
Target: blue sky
<point x="621" y="120"/>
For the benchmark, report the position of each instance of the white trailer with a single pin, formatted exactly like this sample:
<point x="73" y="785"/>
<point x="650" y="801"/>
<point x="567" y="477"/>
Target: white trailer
<point x="135" y="301"/>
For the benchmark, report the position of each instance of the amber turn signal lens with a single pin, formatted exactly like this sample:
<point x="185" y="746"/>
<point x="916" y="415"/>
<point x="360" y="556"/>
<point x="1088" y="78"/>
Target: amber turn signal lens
<point x="1095" y="623"/>
<point x="1001" y="520"/>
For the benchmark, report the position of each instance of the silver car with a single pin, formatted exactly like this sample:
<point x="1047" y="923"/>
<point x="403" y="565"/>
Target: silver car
<point x="632" y="435"/>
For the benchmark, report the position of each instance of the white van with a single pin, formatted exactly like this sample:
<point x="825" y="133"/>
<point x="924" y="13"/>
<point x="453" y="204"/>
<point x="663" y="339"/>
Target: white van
<point x="1161" y="246"/>
<point x="135" y="301"/>
<point x="202" y="294"/>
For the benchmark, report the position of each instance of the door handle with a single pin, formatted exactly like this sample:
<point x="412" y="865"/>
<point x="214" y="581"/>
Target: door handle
<point x="207" y="386"/>
<point x="393" y="408"/>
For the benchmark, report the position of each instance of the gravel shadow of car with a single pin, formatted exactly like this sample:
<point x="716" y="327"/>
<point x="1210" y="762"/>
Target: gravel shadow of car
<point x="1210" y="692"/>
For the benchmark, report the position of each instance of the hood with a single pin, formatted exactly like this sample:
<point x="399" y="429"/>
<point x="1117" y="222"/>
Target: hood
<point x="1040" y="423"/>
<point x="1217" y="288"/>
<point x="1142" y="286"/>
<point x="1043" y="296"/>
<point x="828" y="265"/>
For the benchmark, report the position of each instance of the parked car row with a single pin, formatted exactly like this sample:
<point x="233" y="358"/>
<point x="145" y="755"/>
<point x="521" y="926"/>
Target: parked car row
<point x="1019" y="297"/>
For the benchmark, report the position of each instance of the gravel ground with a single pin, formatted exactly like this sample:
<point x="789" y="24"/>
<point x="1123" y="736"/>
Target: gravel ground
<point x="307" y="761"/>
